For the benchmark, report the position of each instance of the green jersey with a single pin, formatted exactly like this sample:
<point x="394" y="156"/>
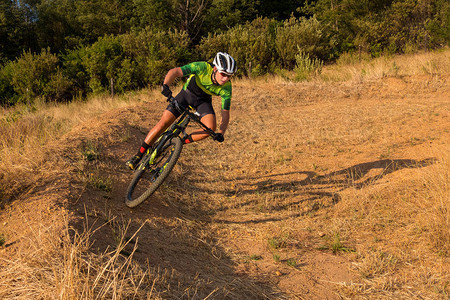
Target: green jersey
<point x="201" y="85"/>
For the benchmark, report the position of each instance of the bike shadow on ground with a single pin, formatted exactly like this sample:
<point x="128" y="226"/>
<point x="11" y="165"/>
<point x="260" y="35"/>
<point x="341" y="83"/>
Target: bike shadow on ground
<point x="311" y="190"/>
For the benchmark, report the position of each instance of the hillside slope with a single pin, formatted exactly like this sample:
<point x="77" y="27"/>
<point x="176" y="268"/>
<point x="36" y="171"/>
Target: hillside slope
<point x="315" y="194"/>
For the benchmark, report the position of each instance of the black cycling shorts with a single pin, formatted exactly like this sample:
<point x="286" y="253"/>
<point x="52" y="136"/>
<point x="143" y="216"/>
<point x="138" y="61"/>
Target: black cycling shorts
<point x="185" y="98"/>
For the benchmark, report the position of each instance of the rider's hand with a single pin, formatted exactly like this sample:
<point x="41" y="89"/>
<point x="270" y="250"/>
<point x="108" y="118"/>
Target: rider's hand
<point x="219" y="137"/>
<point x="166" y="91"/>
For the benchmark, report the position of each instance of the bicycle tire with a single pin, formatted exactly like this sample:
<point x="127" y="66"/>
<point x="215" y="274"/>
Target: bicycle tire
<point x="173" y="148"/>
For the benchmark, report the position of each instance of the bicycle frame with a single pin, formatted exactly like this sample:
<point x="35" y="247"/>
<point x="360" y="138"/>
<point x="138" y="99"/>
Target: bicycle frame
<point x="175" y="130"/>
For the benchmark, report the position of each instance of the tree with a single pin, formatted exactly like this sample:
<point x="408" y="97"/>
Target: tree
<point x="103" y="17"/>
<point x="155" y="14"/>
<point x="56" y="26"/>
<point x="16" y="29"/>
<point x="190" y="15"/>
<point x="279" y="10"/>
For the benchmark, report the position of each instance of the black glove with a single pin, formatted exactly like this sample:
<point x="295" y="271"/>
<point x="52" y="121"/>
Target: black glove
<point x="166" y="91"/>
<point x="218" y="137"/>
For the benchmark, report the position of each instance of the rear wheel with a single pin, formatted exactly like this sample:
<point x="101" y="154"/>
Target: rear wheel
<point x="147" y="178"/>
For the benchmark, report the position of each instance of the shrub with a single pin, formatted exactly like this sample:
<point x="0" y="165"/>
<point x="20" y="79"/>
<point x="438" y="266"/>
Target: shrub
<point x="102" y="61"/>
<point x="306" y="66"/>
<point x="7" y="94"/>
<point x="252" y="45"/>
<point x="74" y="69"/>
<point x="153" y="53"/>
<point x="37" y="75"/>
<point x="58" y="87"/>
<point x="304" y="34"/>
<point x="129" y="61"/>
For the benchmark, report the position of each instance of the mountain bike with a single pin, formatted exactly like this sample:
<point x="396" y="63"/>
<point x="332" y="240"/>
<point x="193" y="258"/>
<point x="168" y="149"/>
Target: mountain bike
<point x="159" y="160"/>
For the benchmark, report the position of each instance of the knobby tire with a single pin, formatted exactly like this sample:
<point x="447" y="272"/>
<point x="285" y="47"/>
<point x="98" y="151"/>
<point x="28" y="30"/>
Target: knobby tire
<point x="174" y="147"/>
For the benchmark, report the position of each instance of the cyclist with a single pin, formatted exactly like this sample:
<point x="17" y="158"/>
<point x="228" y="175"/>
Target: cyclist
<point x="205" y="80"/>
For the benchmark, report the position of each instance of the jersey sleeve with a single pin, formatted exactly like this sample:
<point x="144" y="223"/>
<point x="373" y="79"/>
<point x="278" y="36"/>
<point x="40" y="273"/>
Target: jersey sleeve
<point x="193" y="68"/>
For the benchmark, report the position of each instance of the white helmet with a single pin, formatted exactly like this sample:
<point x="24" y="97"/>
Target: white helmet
<point x="225" y="63"/>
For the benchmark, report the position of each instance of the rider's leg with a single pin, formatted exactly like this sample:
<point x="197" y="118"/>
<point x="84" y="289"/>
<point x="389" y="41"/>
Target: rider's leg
<point x="166" y="119"/>
<point x="210" y="121"/>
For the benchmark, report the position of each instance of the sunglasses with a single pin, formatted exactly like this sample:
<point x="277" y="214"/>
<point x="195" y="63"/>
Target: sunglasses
<point x="225" y="74"/>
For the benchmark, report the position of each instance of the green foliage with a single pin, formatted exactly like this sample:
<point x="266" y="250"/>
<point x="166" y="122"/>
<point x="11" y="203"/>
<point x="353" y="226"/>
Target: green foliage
<point x="306" y="66"/>
<point x="301" y="34"/>
<point x="252" y="45"/>
<point x="7" y="94"/>
<point x="8" y="20"/>
<point x="392" y="26"/>
<point x="74" y="69"/>
<point x="153" y="53"/>
<point x="278" y="242"/>
<point x="90" y="151"/>
<point x="335" y="244"/>
<point x="128" y="61"/>
<point x="103" y="17"/>
<point x="225" y="14"/>
<point x="438" y="23"/>
<point x="400" y="26"/>
<point x="100" y="183"/>
<point x="55" y="24"/>
<point x="291" y="262"/>
<point x="37" y="75"/>
<point x="259" y="45"/>
<point x="101" y="61"/>
<point x="156" y="14"/>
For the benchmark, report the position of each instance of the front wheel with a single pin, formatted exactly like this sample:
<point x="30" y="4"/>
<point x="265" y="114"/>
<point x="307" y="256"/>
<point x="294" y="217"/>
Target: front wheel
<point x="148" y="177"/>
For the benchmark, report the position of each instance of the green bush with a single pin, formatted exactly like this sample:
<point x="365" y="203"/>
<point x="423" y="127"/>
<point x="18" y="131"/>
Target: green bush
<point x="153" y="53"/>
<point x="304" y="34"/>
<point x="7" y="94"/>
<point x="405" y="27"/>
<point x="59" y="86"/>
<point x="252" y="45"/>
<point x="74" y="70"/>
<point x="306" y="66"/>
<point x="129" y="61"/>
<point x="37" y="75"/>
<point x="102" y="60"/>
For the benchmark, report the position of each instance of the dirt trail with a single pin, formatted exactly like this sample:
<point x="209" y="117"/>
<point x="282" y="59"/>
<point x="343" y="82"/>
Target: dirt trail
<point x="243" y="219"/>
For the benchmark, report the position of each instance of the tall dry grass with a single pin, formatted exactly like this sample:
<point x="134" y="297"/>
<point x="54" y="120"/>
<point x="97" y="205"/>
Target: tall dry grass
<point x="26" y="132"/>
<point x="356" y="68"/>
<point x="56" y="262"/>
<point x="400" y="232"/>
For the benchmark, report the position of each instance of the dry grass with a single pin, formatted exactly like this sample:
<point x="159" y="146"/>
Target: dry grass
<point x="348" y="169"/>
<point x="57" y="262"/>
<point x="400" y="232"/>
<point x="25" y="133"/>
<point x="351" y="67"/>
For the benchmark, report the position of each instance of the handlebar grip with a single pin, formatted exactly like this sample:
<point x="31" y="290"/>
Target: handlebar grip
<point x="218" y="137"/>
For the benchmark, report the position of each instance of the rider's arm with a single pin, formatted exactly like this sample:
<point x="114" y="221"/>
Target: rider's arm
<point x="224" y="121"/>
<point x="172" y="75"/>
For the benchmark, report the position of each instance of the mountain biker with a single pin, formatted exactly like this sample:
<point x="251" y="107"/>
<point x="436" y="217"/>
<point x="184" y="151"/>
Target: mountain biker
<point x="205" y="80"/>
